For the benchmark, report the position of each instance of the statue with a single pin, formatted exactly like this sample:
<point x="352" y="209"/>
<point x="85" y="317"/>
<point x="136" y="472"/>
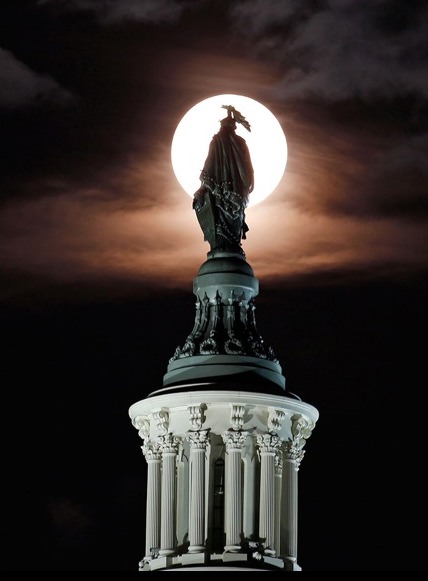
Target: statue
<point x="227" y="179"/>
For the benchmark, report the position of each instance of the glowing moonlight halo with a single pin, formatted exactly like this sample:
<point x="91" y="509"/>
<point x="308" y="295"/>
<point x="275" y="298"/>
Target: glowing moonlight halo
<point x="266" y="142"/>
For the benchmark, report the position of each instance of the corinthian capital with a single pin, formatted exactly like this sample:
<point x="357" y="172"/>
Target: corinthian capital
<point x="151" y="451"/>
<point x="198" y="439"/>
<point x="235" y="439"/>
<point x="169" y="444"/>
<point x="268" y="443"/>
<point x="293" y="450"/>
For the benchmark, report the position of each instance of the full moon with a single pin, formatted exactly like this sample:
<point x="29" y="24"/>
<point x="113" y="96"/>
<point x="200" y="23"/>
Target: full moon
<point x="266" y="142"/>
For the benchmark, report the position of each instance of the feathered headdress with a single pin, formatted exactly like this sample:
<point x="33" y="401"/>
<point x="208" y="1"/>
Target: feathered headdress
<point x="237" y="116"/>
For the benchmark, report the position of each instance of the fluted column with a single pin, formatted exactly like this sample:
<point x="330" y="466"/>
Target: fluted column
<point x="235" y="442"/>
<point x="169" y="447"/>
<point x="293" y="455"/>
<point x="268" y="445"/>
<point x="152" y="454"/>
<point x="198" y="445"/>
<point x="278" y="501"/>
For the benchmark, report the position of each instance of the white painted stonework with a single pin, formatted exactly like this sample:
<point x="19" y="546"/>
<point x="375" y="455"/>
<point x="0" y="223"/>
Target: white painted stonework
<point x="222" y="477"/>
<point x="222" y="440"/>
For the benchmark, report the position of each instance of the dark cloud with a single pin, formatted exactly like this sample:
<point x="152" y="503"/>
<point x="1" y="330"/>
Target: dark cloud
<point x="397" y="183"/>
<point x="21" y="86"/>
<point x="111" y="11"/>
<point x="99" y="246"/>
<point x="356" y="161"/>
<point x="89" y="192"/>
<point x="341" y="49"/>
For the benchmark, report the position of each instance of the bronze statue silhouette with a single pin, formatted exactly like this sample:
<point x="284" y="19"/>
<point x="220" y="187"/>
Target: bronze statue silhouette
<point x="227" y="179"/>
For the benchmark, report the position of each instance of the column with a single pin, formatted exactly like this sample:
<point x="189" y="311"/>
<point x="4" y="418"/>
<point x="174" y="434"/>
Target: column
<point x="268" y="445"/>
<point x="278" y="501"/>
<point x="152" y="454"/>
<point x="293" y="455"/>
<point x="169" y="447"/>
<point x="301" y="429"/>
<point x="235" y="442"/>
<point x="198" y="445"/>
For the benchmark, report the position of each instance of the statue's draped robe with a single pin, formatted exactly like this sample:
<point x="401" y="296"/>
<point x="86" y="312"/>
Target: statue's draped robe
<point x="227" y="179"/>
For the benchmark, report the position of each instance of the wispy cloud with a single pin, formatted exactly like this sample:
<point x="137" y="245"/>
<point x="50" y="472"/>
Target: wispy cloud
<point x="21" y="87"/>
<point x="111" y="11"/>
<point x="97" y="198"/>
<point x="341" y="49"/>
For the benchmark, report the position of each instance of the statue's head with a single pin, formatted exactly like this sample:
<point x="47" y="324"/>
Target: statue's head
<point x="228" y="123"/>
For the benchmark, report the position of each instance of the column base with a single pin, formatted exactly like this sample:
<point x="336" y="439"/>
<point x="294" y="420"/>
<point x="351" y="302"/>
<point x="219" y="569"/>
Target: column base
<point x="233" y="549"/>
<point x="291" y="565"/>
<point x="167" y="552"/>
<point x="239" y="561"/>
<point x="196" y="549"/>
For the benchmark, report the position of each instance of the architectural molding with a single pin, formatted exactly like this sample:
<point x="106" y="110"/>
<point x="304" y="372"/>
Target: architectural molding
<point x="275" y="419"/>
<point x="197" y="417"/>
<point x="142" y="424"/>
<point x="161" y="417"/>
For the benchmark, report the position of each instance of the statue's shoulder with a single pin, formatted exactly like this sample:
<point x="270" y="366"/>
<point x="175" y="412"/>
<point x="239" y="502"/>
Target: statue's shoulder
<point x="242" y="143"/>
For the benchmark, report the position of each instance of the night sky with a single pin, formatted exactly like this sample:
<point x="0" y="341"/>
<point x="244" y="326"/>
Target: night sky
<point x="99" y="246"/>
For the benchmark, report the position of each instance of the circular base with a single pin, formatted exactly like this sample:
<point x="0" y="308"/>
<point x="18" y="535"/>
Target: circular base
<point x="193" y="549"/>
<point x="252" y="370"/>
<point x="225" y="262"/>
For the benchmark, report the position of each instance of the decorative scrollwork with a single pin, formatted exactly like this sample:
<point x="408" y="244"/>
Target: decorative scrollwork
<point x="162" y="419"/>
<point x="209" y="347"/>
<point x="234" y="347"/>
<point x="197" y="416"/>
<point x="301" y="427"/>
<point x="224" y="325"/>
<point x="274" y="420"/>
<point x="237" y="416"/>
<point x="142" y="424"/>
